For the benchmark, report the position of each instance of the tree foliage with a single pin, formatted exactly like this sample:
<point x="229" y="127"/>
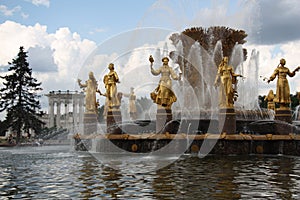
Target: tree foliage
<point x="145" y="103"/>
<point x="19" y="96"/>
<point x="294" y="101"/>
<point x="100" y="113"/>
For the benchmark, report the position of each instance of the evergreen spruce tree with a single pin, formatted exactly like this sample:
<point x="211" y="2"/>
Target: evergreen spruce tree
<point x="19" y="97"/>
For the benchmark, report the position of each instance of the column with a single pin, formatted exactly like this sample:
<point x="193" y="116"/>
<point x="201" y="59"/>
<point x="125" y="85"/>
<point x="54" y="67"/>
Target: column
<point x="58" y="114"/>
<point x="51" y="112"/>
<point x="66" y="113"/>
<point x="81" y="108"/>
<point x="75" y="119"/>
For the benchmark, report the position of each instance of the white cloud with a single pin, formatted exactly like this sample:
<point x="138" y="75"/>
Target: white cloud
<point x="9" y="12"/>
<point x="17" y="35"/>
<point x="41" y="2"/>
<point x="70" y="51"/>
<point x="24" y="15"/>
<point x="269" y="60"/>
<point x="97" y="30"/>
<point x="41" y="59"/>
<point x="56" y="57"/>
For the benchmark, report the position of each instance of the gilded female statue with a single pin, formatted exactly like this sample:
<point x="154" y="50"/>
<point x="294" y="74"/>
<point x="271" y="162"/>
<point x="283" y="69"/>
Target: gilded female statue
<point x="282" y="90"/>
<point x="225" y="79"/>
<point x="132" y="105"/>
<point x="163" y="95"/>
<point x="90" y="86"/>
<point x="110" y="80"/>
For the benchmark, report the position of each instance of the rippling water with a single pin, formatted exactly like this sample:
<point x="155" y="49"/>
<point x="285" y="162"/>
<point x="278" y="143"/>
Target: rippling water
<point x="57" y="172"/>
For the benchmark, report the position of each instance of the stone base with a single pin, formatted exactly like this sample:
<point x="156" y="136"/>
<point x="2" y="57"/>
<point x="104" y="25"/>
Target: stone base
<point x="240" y="144"/>
<point x="227" y="120"/>
<point x="90" y="123"/>
<point x="113" y="117"/>
<point x="283" y="115"/>
<point x="163" y="116"/>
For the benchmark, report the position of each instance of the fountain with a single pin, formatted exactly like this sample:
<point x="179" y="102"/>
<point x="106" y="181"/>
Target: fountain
<point x="213" y="108"/>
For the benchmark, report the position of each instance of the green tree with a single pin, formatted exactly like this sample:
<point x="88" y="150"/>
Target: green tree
<point x="100" y="113"/>
<point x="19" y="97"/>
<point x="293" y="105"/>
<point x="145" y="103"/>
<point x="294" y="101"/>
<point x="262" y="102"/>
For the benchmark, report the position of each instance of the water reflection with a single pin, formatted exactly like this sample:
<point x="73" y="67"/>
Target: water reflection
<point x="281" y="178"/>
<point x="268" y="177"/>
<point x="58" y="173"/>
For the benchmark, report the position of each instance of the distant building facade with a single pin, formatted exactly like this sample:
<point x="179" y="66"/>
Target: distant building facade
<point x="66" y="109"/>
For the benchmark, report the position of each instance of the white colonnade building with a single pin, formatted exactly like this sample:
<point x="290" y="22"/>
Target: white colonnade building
<point x="66" y="109"/>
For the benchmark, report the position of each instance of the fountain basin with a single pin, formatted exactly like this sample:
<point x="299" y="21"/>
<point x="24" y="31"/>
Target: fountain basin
<point x="188" y="136"/>
<point x="223" y="144"/>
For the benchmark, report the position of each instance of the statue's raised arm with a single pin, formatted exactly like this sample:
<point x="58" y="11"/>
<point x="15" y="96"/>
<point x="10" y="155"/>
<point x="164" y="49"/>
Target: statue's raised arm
<point x="80" y="84"/>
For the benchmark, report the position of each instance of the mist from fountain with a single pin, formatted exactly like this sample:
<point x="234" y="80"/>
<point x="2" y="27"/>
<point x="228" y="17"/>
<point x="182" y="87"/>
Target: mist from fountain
<point x="204" y="65"/>
<point x="218" y="52"/>
<point x="247" y="102"/>
<point x="237" y="57"/>
<point x="165" y="52"/>
<point x="195" y="60"/>
<point x="124" y="110"/>
<point x="296" y="114"/>
<point x="197" y="64"/>
<point x="248" y="86"/>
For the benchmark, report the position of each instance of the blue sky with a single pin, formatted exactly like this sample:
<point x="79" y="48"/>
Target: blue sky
<point x="98" y="20"/>
<point x="60" y="34"/>
<point x="92" y="19"/>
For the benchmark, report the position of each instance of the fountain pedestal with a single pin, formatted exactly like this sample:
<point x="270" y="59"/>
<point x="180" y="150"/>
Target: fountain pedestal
<point x="163" y="116"/>
<point x="90" y="123"/>
<point x="283" y="114"/>
<point x="227" y="120"/>
<point x="113" y="117"/>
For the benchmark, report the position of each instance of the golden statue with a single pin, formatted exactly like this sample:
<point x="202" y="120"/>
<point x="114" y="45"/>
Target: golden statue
<point x="225" y="80"/>
<point x="282" y="90"/>
<point x="132" y="106"/>
<point x="90" y="86"/>
<point x="110" y="80"/>
<point x="270" y="99"/>
<point x="163" y="95"/>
